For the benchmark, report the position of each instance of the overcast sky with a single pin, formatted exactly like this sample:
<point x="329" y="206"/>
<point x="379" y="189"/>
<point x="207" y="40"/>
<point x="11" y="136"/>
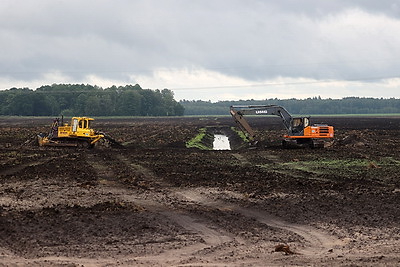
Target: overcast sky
<point x="206" y="49"/>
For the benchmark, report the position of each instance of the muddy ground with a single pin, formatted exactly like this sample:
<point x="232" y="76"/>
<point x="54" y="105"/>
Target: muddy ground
<point x="157" y="203"/>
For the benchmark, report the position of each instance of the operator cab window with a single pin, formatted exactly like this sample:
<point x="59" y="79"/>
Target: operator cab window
<point x="298" y="125"/>
<point x="306" y="122"/>
<point x="74" y="125"/>
<point x="83" y="124"/>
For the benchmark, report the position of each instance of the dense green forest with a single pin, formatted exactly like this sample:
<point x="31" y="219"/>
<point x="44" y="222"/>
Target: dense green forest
<point x="132" y="100"/>
<point x="80" y="99"/>
<point x="316" y="105"/>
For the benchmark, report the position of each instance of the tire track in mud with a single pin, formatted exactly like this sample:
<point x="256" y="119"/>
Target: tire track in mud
<point x="318" y="242"/>
<point x="148" y="175"/>
<point x="211" y="236"/>
<point x="104" y="173"/>
<point x="214" y="239"/>
<point x="34" y="163"/>
<point x="242" y="160"/>
<point x="60" y="261"/>
<point x="189" y="253"/>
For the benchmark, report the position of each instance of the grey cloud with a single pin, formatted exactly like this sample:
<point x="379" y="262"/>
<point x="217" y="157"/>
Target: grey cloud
<point x="317" y="8"/>
<point x="255" y="40"/>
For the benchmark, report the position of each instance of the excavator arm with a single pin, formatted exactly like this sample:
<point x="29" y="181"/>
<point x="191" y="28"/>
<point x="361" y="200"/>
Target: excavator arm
<point x="243" y="125"/>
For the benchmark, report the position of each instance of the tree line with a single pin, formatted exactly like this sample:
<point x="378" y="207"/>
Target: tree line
<point x="80" y="99"/>
<point x="315" y="105"/>
<point x="132" y="100"/>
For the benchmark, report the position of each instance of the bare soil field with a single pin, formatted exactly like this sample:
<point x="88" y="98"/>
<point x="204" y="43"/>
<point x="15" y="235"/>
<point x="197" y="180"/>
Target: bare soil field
<point x="157" y="203"/>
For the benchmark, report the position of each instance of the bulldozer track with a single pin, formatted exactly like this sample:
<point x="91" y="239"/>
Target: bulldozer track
<point x="215" y="240"/>
<point x="318" y="242"/>
<point x="177" y="257"/>
<point x="102" y="168"/>
<point x="141" y="171"/>
<point x="213" y="237"/>
<point x="243" y="160"/>
<point x="20" y="167"/>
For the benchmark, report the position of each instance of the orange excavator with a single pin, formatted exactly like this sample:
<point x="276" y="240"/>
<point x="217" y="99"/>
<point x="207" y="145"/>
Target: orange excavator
<point x="299" y="129"/>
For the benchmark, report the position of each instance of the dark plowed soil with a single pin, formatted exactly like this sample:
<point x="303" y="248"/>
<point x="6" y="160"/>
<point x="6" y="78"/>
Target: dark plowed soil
<point x="155" y="202"/>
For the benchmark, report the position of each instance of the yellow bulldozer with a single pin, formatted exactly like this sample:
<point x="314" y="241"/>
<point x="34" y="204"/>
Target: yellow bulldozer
<point x="76" y="134"/>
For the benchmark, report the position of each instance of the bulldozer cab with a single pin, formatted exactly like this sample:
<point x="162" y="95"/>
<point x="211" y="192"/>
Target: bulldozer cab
<point x="80" y="124"/>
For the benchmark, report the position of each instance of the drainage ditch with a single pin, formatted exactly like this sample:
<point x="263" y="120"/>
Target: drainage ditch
<point x="217" y="138"/>
<point x="221" y="142"/>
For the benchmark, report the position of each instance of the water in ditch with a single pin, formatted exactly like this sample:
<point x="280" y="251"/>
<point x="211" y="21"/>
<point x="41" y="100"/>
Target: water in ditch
<point x="221" y="142"/>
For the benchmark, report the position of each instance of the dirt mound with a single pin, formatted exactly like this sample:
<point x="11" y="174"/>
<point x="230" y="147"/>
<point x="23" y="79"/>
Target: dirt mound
<point x="353" y="138"/>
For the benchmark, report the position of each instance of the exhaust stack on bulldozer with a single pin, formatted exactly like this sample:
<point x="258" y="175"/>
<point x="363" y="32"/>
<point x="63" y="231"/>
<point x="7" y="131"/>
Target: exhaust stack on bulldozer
<point x="76" y="134"/>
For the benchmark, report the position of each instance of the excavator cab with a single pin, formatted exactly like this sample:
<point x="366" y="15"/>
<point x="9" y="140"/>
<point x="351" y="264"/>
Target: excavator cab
<point x="298" y="125"/>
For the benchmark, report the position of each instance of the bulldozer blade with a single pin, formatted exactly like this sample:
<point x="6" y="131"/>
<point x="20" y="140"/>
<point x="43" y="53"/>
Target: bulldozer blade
<point x="112" y="142"/>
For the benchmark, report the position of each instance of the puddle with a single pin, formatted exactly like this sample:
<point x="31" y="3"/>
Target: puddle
<point x="221" y="142"/>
